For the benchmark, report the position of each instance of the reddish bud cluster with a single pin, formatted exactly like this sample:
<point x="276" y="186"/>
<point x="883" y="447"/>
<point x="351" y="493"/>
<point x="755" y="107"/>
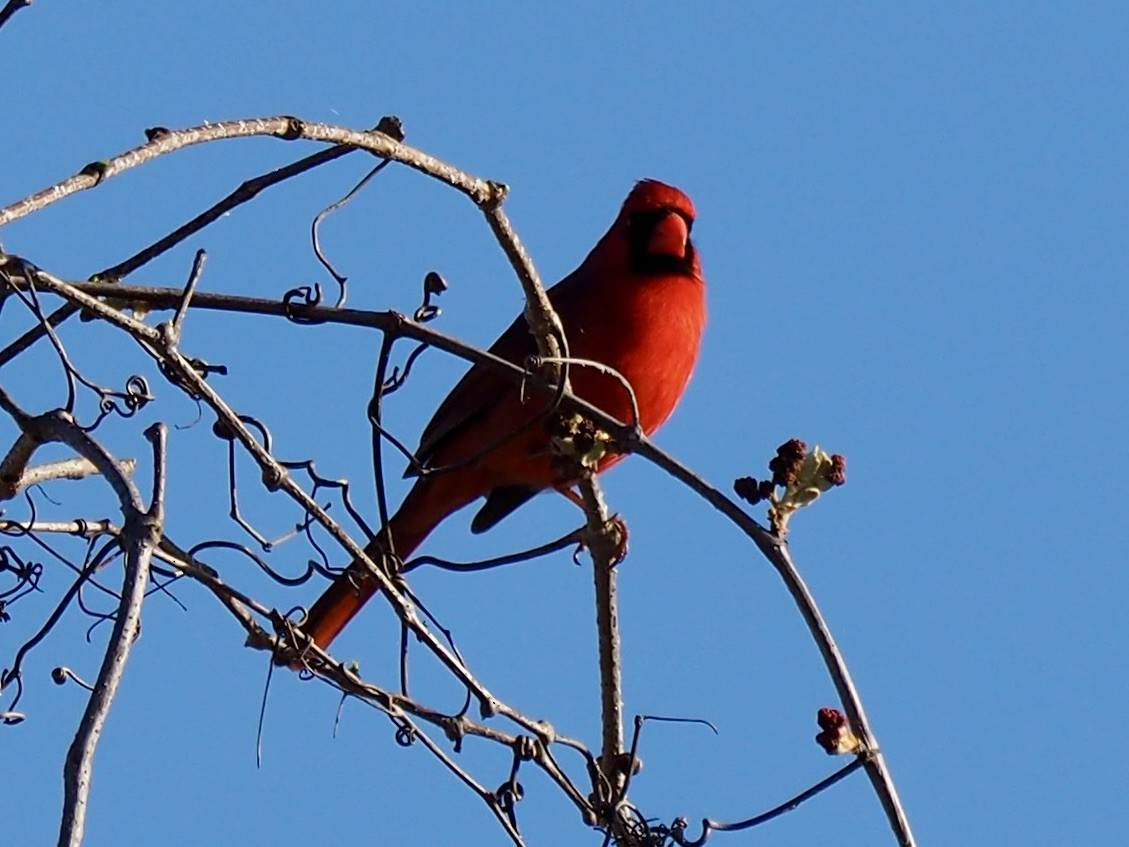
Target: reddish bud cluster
<point x="751" y="491"/>
<point x="801" y="475"/>
<point x="836" y="737"/>
<point x="837" y="475"/>
<point x="786" y="464"/>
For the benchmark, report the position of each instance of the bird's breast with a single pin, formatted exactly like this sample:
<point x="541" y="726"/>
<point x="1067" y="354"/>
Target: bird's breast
<point x="649" y="331"/>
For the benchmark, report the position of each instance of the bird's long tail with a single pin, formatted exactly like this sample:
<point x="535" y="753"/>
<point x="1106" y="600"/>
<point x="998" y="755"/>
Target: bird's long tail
<point x="425" y="506"/>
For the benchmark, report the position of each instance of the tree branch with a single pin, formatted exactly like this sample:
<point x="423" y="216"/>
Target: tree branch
<point x="488" y="196"/>
<point x="602" y="544"/>
<point x="283" y="127"/>
<point x="140" y="533"/>
<point x="10" y="8"/>
<point x="630" y="439"/>
<point x="76" y="468"/>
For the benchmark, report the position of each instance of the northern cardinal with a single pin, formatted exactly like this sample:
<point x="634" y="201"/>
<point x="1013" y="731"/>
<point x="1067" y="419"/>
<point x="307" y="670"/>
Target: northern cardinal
<point x="636" y="303"/>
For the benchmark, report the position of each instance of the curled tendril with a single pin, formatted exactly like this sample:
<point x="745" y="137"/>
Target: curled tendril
<point x="312" y="567"/>
<point x="10" y="677"/>
<point x="512" y="790"/>
<point x="137" y="392"/>
<point x="315" y="230"/>
<point x="433" y="286"/>
<point x="320" y="482"/>
<point x="203" y="368"/>
<point x="61" y="674"/>
<point x="405" y="735"/>
<point x="305" y="296"/>
<point x="134" y="398"/>
<point x="26" y="575"/>
<point x="398" y="377"/>
<point x="509" y="794"/>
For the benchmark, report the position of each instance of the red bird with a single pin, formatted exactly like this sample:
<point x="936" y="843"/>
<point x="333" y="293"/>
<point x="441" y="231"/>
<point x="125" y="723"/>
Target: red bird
<point x="636" y="303"/>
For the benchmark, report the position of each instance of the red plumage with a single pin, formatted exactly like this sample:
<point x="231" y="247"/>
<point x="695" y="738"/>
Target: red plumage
<point x="636" y="303"/>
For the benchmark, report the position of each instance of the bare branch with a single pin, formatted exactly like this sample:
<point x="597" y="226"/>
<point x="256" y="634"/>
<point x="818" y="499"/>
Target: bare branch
<point x="162" y="346"/>
<point x="140" y="535"/>
<point x="284" y="127"/>
<point x="487" y="195"/>
<point x="79" y="526"/>
<point x="246" y="192"/>
<point x="10" y="8"/>
<point x="606" y="553"/>
<point x="76" y="468"/>
<point x="141" y="532"/>
<point x="628" y="438"/>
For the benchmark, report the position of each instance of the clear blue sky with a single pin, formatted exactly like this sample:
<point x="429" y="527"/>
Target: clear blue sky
<point x="913" y="224"/>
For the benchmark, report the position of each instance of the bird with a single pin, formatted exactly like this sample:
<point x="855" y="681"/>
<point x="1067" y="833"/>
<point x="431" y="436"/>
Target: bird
<point x="636" y="304"/>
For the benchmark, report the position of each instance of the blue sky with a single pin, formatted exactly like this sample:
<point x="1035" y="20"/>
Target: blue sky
<point x="912" y="222"/>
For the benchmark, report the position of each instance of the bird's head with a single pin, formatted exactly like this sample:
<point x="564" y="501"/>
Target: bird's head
<point x="658" y="219"/>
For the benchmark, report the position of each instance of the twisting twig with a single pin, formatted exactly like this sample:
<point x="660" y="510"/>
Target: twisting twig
<point x="246" y="192"/>
<point x="15" y="672"/>
<point x="159" y="343"/>
<point x="488" y="197"/>
<point x="10" y="8"/>
<point x="627" y="439"/>
<point x="678" y="829"/>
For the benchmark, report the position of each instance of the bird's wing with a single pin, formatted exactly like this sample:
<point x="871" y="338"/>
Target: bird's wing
<point x="477" y="392"/>
<point x="481" y="388"/>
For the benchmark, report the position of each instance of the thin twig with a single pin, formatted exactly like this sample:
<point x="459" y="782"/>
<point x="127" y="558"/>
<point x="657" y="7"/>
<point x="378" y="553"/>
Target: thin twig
<point x="246" y="192"/>
<point x="488" y="196"/>
<point x="189" y="290"/>
<point x="628" y="439"/>
<point x="709" y="826"/>
<point x="10" y="8"/>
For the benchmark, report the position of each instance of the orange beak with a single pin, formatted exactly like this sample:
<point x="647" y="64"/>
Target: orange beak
<point x="669" y="237"/>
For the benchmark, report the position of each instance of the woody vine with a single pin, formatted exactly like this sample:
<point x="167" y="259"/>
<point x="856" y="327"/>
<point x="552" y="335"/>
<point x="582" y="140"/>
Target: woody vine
<point x="595" y="777"/>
